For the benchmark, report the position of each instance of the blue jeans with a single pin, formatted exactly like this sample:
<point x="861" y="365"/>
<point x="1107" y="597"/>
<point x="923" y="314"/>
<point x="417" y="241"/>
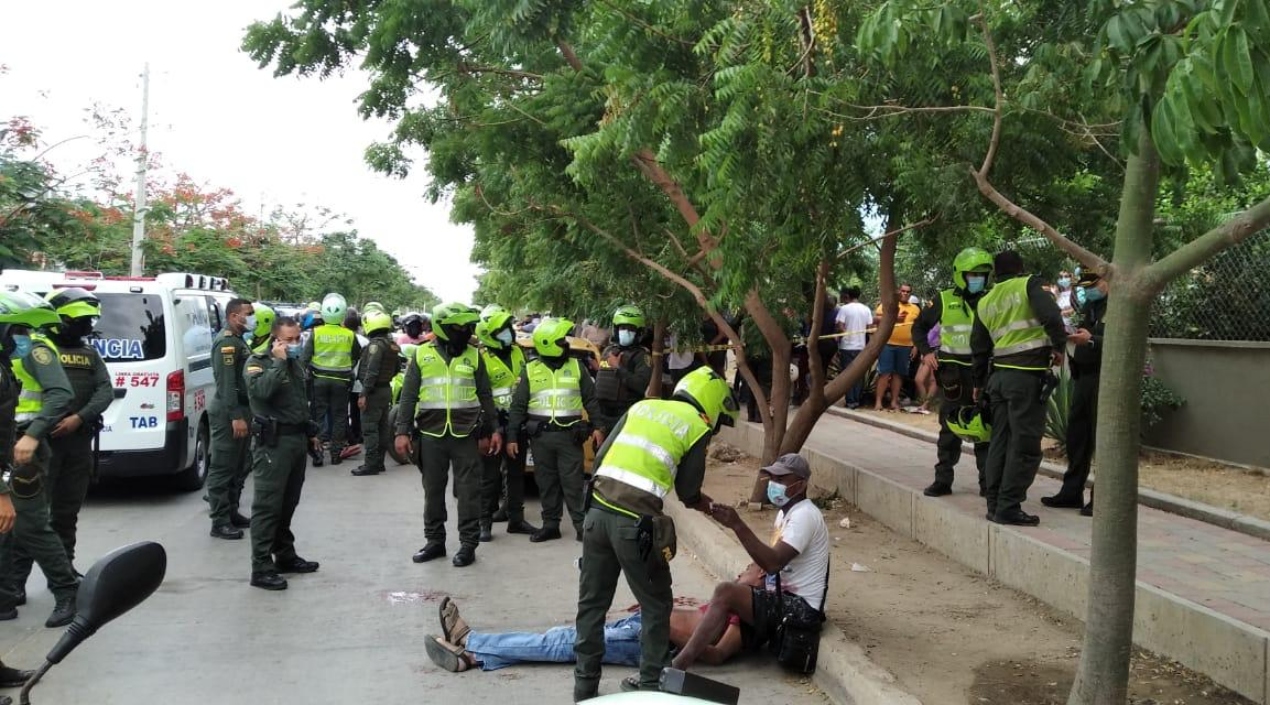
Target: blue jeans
<point x="894" y="360"/>
<point x="495" y="651"/>
<point x="845" y="358"/>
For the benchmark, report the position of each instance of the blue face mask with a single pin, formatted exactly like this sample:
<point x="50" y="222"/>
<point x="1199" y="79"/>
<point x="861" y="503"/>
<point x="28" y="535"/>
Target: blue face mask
<point x="776" y="493"/>
<point x="293" y="351"/>
<point x="1064" y="282"/>
<point x="1093" y="294"/>
<point x="976" y="284"/>
<point x="506" y="337"/>
<point x="21" y="346"/>
<point x="626" y="338"/>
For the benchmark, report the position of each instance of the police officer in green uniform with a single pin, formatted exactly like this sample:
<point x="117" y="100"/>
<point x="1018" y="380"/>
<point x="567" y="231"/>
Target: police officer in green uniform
<point x="331" y="353"/>
<point x="1082" y="420"/>
<point x="546" y="409"/>
<point x="504" y="361"/>
<point x="228" y="415"/>
<point x="657" y="446"/>
<point x="10" y="315"/>
<point x="379" y="364"/>
<point x="1019" y="335"/>
<point x="282" y="432"/>
<point x="953" y="310"/>
<point x="43" y="401"/>
<point x="446" y="396"/>
<point x="624" y="380"/>
<point x="70" y="467"/>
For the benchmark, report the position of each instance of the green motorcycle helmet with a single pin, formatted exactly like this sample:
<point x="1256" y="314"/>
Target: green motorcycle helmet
<point x="628" y="316"/>
<point x="74" y="303"/>
<point x="711" y="394"/>
<point x="334" y="307"/>
<point x="265" y="316"/>
<point x="968" y="423"/>
<point x="488" y="329"/>
<point x="22" y="309"/>
<point x="373" y="306"/>
<point x="376" y="321"/>
<point x="971" y="259"/>
<point x="450" y="319"/>
<point x="490" y="310"/>
<point x="551" y="337"/>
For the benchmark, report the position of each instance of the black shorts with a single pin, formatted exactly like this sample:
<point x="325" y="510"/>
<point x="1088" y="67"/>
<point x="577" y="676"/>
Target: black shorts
<point x="769" y="610"/>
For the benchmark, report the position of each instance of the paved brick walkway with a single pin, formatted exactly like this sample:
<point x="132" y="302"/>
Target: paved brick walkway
<point x="1224" y="570"/>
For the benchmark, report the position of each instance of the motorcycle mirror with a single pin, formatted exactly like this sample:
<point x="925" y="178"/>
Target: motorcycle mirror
<point x="116" y="583"/>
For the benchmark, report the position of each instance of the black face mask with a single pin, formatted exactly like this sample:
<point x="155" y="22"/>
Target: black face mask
<point x="414" y="330"/>
<point x="78" y="328"/>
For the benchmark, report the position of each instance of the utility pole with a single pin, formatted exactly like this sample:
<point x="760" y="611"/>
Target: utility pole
<point x="139" y="202"/>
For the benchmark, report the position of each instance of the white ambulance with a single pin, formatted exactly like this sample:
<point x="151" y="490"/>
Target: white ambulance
<point x="155" y="335"/>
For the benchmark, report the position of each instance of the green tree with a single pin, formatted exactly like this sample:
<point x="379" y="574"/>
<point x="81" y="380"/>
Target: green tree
<point x="1149" y="70"/>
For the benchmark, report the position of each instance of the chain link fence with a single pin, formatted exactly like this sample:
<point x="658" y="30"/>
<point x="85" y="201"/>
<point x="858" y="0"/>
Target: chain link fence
<point x="1228" y="298"/>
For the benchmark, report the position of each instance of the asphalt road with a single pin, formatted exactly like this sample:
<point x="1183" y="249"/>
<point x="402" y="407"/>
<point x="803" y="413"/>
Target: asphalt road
<point x="351" y="633"/>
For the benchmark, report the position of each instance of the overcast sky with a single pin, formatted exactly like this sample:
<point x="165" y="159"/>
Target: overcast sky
<point x="217" y="117"/>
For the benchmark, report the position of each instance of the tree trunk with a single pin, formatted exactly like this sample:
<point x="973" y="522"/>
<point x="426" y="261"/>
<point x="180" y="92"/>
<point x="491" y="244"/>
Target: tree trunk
<point x="1103" y="675"/>
<point x="655" y="383"/>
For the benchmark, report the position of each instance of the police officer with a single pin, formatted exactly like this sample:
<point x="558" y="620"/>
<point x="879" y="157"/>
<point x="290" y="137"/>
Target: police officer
<point x="1019" y="330"/>
<point x="330" y="354"/>
<point x="282" y="432"/>
<point x="953" y="310"/>
<point x="656" y="446"/>
<point x="446" y="395"/>
<point x="70" y="469"/>
<point x="547" y="407"/>
<point x="378" y="366"/>
<point x="629" y="369"/>
<point x="504" y="361"/>
<point x="9" y="316"/>
<point x="228" y="415"/>
<point x="43" y="401"/>
<point x="1086" y="365"/>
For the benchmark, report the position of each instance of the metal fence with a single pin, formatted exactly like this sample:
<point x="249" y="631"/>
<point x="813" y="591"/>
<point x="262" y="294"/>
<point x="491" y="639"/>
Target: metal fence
<point x="1228" y="298"/>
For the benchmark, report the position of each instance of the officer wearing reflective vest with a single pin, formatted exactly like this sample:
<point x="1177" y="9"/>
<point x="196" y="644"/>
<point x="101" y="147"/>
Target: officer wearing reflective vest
<point x="376" y="370"/>
<point x="504" y="360"/>
<point x="447" y="407"/>
<point x="659" y="445"/>
<point x="43" y="401"/>
<point x="1017" y="336"/>
<point x="330" y="354"/>
<point x="546" y="410"/>
<point x="70" y="468"/>
<point x="953" y="310"/>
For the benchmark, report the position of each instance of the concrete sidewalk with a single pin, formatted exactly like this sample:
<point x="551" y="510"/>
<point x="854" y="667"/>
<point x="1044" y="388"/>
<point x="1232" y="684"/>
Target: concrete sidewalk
<point x="1203" y="591"/>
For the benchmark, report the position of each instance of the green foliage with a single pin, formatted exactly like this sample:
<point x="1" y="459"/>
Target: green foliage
<point x="1157" y="400"/>
<point x="1059" y="408"/>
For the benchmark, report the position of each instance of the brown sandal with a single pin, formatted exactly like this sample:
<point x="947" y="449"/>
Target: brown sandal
<point x="453" y="628"/>
<point x="446" y="655"/>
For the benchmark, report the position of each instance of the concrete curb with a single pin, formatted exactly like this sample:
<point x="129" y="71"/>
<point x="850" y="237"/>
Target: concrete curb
<point x="1233" y="653"/>
<point x="844" y="672"/>
<point x="1172" y="504"/>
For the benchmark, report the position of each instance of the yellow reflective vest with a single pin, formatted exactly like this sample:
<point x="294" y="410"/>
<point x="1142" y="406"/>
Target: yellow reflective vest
<point x="449" y="390"/>
<point x="655" y="436"/>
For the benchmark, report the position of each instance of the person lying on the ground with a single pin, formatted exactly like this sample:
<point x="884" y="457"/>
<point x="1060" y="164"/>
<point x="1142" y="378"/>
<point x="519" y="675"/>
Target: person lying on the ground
<point x="795" y="566"/>
<point x="461" y="648"/>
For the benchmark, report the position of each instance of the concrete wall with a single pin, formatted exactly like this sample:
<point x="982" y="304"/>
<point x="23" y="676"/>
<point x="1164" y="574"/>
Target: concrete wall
<point x="1225" y="385"/>
<point x="1232" y="653"/>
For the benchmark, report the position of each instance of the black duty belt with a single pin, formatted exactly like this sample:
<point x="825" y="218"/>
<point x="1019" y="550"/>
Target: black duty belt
<point x="553" y="427"/>
<point x="293" y="428"/>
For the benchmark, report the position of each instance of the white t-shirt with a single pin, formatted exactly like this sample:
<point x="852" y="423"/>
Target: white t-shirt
<point x="803" y="529"/>
<point x="853" y="318"/>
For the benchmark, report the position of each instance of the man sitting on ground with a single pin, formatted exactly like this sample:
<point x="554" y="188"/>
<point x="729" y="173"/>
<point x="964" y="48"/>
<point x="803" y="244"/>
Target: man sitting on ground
<point x="797" y="560"/>
<point x="460" y="648"/>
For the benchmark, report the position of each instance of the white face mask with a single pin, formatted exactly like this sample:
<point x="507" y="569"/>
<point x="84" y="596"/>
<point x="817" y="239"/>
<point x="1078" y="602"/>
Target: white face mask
<point x="626" y="338"/>
<point x="250" y="323"/>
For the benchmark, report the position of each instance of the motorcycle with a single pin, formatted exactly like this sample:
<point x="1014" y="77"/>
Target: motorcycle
<point x="121" y="580"/>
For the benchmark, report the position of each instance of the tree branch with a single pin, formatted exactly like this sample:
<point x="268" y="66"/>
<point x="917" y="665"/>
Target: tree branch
<point x="1196" y="252"/>
<point x="999" y="107"/>
<point x="570" y="56"/>
<point x="1061" y="241"/>
<point x="815" y="366"/>
<point x="464" y="67"/>
<point x="914" y="226"/>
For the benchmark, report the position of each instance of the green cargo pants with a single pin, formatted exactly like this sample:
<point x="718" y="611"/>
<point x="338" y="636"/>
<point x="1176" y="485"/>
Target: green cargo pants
<point x="228" y="467"/>
<point x="70" y="473"/>
<point x="558" y="472"/>
<point x="609" y="548"/>
<point x="375" y="431"/>
<point x="32" y="538"/>
<point x="1018" y="423"/>
<point x="278" y="478"/>
<point x="501" y="474"/>
<point x="330" y="396"/>
<point x="435" y="457"/>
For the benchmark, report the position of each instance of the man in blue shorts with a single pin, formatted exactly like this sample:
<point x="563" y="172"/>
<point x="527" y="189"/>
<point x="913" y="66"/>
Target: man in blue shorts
<point x="893" y="363"/>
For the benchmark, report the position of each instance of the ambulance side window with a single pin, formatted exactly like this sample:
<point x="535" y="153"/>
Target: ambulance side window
<point x="215" y="316"/>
